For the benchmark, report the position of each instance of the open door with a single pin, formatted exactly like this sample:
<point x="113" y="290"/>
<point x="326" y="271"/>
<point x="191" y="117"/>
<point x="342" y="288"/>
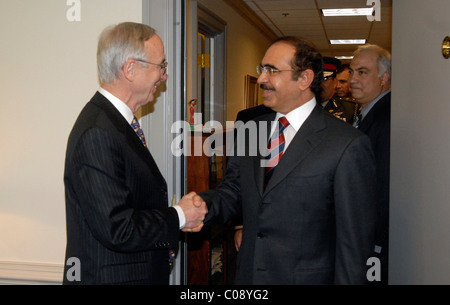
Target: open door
<point x="420" y="170"/>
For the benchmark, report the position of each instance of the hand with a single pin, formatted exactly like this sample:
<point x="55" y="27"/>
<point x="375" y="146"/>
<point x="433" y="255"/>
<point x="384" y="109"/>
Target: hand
<point x="194" y="209"/>
<point x="238" y="239"/>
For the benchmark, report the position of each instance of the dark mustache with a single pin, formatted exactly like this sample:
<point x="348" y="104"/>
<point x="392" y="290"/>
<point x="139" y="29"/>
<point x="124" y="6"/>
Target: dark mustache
<point x="264" y="87"/>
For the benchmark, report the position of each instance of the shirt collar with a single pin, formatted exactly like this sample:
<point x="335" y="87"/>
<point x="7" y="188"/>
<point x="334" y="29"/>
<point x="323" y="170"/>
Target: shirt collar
<point x="365" y="110"/>
<point x="124" y="110"/>
<point x="299" y="115"/>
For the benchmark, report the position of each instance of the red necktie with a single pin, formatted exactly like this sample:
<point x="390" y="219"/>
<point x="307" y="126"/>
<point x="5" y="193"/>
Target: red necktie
<point x="276" y="148"/>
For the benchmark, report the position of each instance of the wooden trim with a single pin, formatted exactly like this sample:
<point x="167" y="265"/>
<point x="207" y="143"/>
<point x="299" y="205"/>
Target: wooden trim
<point x="251" y="91"/>
<point x="245" y="11"/>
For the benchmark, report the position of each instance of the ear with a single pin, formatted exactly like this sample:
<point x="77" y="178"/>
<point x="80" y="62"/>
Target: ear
<point x="385" y="79"/>
<point x="128" y="70"/>
<point x="305" y="79"/>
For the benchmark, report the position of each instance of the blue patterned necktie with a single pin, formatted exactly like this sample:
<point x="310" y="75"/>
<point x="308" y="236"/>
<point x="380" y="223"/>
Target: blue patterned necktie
<point x="138" y="130"/>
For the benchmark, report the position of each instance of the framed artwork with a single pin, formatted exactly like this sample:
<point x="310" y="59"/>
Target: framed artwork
<point x="251" y="91"/>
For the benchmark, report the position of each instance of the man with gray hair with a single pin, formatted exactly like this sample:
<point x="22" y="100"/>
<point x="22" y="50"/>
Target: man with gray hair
<point x="120" y="228"/>
<point x="370" y="83"/>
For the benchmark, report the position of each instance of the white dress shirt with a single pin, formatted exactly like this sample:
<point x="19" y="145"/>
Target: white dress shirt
<point x="296" y="119"/>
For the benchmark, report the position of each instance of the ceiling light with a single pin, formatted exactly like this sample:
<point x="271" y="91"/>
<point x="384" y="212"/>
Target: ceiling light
<point x="347" y="41"/>
<point x="344" y="57"/>
<point x="347" y="12"/>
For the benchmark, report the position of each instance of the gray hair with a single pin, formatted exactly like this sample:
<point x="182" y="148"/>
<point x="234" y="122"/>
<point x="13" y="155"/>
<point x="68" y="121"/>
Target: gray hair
<point x="119" y="43"/>
<point x="383" y="58"/>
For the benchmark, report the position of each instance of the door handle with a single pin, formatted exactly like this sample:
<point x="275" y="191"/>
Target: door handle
<point x="446" y="47"/>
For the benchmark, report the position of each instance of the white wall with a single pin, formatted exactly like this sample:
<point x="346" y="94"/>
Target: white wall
<point x="420" y="149"/>
<point x="48" y="73"/>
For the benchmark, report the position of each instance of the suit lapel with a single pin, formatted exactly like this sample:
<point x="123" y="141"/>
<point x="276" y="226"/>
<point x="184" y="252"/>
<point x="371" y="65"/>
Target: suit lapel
<point x="263" y="139"/>
<point x="127" y="131"/>
<point x="370" y="117"/>
<point x="305" y="140"/>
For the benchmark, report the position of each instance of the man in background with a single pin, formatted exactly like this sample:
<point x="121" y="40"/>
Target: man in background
<point x="370" y="83"/>
<point x="342" y="86"/>
<point x="341" y="108"/>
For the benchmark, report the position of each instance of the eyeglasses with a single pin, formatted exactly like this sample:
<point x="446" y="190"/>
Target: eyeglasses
<point x="268" y="70"/>
<point x="163" y="66"/>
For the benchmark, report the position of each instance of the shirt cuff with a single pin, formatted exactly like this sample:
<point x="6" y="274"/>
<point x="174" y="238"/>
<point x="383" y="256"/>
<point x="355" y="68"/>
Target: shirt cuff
<point x="181" y="217"/>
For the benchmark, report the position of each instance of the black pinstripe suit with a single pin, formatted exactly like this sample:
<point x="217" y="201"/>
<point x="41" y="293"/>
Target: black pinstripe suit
<point x="119" y="224"/>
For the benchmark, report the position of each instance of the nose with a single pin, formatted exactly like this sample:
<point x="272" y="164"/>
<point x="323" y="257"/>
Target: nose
<point x="351" y="78"/>
<point x="163" y="76"/>
<point x="262" y="78"/>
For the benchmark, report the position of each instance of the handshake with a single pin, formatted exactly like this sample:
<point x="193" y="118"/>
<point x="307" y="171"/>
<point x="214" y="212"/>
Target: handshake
<point x="194" y="209"/>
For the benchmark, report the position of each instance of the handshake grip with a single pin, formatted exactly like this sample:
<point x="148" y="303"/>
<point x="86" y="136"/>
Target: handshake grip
<point x="195" y="210"/>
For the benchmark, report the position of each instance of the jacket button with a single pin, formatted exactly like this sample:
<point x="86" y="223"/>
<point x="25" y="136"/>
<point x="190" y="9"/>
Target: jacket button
<point x="260" y="235"/>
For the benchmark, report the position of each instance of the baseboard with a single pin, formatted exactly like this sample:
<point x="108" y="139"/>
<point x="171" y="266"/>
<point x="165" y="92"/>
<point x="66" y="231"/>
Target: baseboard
<point x="28" y="273"/>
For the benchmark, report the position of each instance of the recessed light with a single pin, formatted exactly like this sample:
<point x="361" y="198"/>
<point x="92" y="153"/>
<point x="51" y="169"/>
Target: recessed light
<point x="347" y="41"/>
<point x="344" y="57"/>
<point x="347" y="12"/>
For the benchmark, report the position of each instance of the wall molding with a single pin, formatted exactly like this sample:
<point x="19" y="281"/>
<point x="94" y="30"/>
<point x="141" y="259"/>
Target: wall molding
<point x="30" y="273"/>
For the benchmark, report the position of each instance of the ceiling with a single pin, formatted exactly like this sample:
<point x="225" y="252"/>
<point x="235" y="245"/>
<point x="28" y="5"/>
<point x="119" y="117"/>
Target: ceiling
<point x="303" y="18"/>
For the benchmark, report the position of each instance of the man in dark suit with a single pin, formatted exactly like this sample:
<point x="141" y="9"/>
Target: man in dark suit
<point x="244" y="116"/>
<point x="313" y="221"/>
<point x="119" y="224"/>
<point x="370" y="82"/>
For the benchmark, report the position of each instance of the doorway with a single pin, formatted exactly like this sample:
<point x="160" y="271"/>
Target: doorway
<point x="206" y="85"/>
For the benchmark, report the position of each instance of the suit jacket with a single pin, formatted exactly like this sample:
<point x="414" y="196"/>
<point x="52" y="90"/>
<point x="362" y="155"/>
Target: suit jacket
<point x="315" y="221"/>
<point x="377" y="125"/>
<point x="119" y="224"/>
<point x="245" y="116"/>
<point x="253" y="112"/>
<point x="342" y="108"/>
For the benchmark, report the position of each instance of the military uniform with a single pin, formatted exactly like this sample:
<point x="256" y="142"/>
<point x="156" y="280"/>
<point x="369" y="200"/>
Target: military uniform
<point x="344" y="108"/>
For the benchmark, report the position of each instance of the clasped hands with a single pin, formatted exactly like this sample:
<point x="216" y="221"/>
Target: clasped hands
<point x="195" y="210"/>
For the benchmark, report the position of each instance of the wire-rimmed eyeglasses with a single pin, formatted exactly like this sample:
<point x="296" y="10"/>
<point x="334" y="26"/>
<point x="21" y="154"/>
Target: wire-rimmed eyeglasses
<point x="163" y="65"/>
<point x="268" y="70"/>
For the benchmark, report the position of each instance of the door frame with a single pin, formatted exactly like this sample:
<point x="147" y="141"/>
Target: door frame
<point x="167" y="17"/>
